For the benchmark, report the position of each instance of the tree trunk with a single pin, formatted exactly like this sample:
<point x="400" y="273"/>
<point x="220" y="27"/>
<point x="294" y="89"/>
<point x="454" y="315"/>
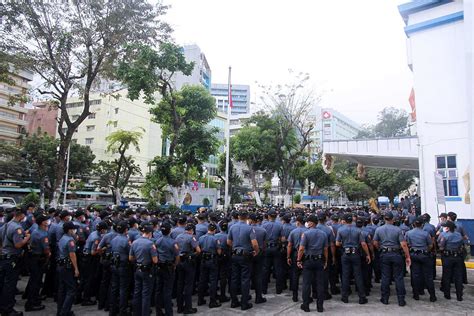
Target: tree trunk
<point x="42" y="193"/>
<point x="253" y="178"/>
<point x="60" y="171"/>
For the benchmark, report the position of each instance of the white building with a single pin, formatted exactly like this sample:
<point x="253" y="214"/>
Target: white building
<point x="110" y="114"/>
<point x="240" y="98"/>
<point x="440" y="54"/>
<point x="201" y="73"/>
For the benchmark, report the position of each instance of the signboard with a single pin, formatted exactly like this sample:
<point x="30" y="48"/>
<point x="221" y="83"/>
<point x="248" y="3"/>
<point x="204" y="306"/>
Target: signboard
<point x="326" y="115"/>
<point x="440" y="199"/>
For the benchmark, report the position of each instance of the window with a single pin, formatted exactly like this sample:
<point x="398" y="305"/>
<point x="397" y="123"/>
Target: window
<point x="90" y="128"/>
<point x="89" y="141"/>
<point x="116" y="110"/>
<point x="446" y="166"/>
<point x="91" y="116"/>
<point x="115" y="123"/>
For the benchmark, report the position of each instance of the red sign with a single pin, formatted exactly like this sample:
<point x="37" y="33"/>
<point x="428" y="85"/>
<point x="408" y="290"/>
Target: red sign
<point x="326" y="115"/>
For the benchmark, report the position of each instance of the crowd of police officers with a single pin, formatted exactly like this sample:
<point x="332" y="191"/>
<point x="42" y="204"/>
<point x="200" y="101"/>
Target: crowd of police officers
<point x="131" y="262"/>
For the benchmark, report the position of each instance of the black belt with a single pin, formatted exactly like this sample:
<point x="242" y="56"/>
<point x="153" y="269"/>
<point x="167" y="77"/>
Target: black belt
<point x="241" y="252"/>
<point x="388" y="249"/>
<point x="453" y="253"/>
<point x="419" y="251"/>
<point x="186" y="257"/>
<point x="166" y="264"/>
<point x="313" y="257"/>
<point x="273" y="244"/>
<point x="143" y="267"/>
<point x="65" y="262"/>
<point x="351" y="250"/>
<point x="8" y="257"/>
<point x="208" y="256"/>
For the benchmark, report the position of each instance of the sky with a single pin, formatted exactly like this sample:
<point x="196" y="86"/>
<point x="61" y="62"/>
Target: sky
<point x="354" y="51"/>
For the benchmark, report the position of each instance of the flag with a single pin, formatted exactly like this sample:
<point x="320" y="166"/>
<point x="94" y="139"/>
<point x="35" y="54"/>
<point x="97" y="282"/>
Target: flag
<point x="411" y="100"/>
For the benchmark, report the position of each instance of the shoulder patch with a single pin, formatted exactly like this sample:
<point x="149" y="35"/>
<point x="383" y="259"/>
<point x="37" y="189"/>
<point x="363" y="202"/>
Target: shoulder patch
<point x="19" y="231"/>
<point x="302" y="235"/>
<point x="71" y="243"/>
<point x="46" y="239"/>
<point x="194" y="238"/>
<point x="97" y="242"/>
<point x="153" y="247"/>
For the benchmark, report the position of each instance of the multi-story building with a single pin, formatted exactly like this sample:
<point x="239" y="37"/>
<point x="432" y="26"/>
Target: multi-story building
<point x="220" y="121"/>
<point x="13" y="117"/>
<point x="240" y="98"/>
<point x="43" y="116"/>
<point x="201" y="73"/>
<point x="108" y="115"/>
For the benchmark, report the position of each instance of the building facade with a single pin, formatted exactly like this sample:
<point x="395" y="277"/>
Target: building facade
<point x="13" y="117"/>
<point x="42" y="117"/>
<point x="240" y="98"/>
<point x="201" y="73"/>
<point x="108" y="115"/>
<point x="440" y="54"/>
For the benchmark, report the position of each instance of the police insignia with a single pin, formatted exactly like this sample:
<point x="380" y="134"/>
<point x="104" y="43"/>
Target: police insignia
<point x="46" y="239"/>
<point x="19" y="231"/>
<point x="194" y="238"/>
<point x="71" y="243"/>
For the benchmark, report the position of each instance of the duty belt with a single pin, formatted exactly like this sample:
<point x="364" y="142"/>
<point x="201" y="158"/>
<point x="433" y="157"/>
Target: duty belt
<point x="240" y="252"/>
<point x="419" y="251"/>
<point x="186" y="257"/>
<point x="388" y="249"/>
<point x="208" y="256"/>
<point x="65" y="262"/>
<point x="272" y="244"/>
<point x="313" y="257"/>
<point x="8" y="257"/>
<point x="453" y="253"/>
<point x="143" y="267"/>
<point x="165" y="264"/>
<point x="351" y="250"/>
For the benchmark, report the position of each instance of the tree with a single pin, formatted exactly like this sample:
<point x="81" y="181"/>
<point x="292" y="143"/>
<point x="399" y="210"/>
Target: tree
<point x="70" y="44"/>
<point x="392" y="122"/>
<point x="390" y="182"/>
<point x="355" y="190"/>
<point x="315" y="174"/>
<point x="119" y="142"/>
<point x="287" y="109"/>
<point x="81" y="162"/>
<point x="297" y="198"/>
<point x="234" y="178"/>
<point x="12" y="164"/>
<point x="251" y="146"/>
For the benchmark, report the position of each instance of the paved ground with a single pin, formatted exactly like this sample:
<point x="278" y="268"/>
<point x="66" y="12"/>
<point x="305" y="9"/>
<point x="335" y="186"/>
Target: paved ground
<point x="283" y="305"/>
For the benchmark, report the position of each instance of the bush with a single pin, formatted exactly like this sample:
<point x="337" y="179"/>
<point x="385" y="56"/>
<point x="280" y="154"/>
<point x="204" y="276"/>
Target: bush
<point x="297" y="198"/>
<point x="31" y="197"/>
<point x="206" y="201"/>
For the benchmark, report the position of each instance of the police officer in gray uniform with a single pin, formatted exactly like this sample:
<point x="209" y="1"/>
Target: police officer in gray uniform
<point x="242" y="239"/>
<point x="168" y="258"/>
<point x="420" y="244"/>
<point x="223" y="261"/>
<point x="314" y="250"/>
<point x="186" y="269"/>
<point x="389" y="240"/>
<point x="40" y="253"/>
<point x="210" y="249"/>
<point x="259" y="260"/>
<point x="349" y="237"/>
<point x="120" y="249"/>
<point x="143" y="254"/>
<point x="67" y="269"/>
<point x="292" y="252"/>
<point x="13" y="240"/>
<point x="272" y="252"/>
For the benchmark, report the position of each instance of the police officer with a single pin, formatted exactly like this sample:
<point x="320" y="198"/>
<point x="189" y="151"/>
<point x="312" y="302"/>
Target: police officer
<point x="210" y="249"/>
<point x="168" y="258"/>
<point x="330" y="275"/>
<point x="67" y="269"/>
<point x="143" y="254"/>
<point x="292" y="252"/>
<point x="451" y="245"/>
<point x="105" y="263"/>
<point x="349" y="237"/>
<point x="40" y="254"/>
<point x="420" y="244"/>
<point x="389" y="240"/>
<point x="272" y="252"/>
<point x="179" y="229"/>
<point x="242" y="240"/>
<point x="14" y="239"/>
<point x="223" y="261"/>
<point x="314" y="250"/>
<point x="189" y="249"/>
<point x="259" y="260"/>
<point x="120" y="248"/>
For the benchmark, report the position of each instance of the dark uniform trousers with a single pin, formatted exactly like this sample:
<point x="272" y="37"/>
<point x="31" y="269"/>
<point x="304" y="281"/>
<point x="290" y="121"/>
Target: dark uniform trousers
<point x="104" y="290"/>
<point x="90" y="277"/>
<point x="208" y="275"/>
<point x="351" y="265"/>
<point x="392" y="264"/>
<point x="66" y="290"/>
<point x="377" y="267"/>
<point x="9" y="273"/>
<point x="313" y="270"/>
<point x="186" y="272"/>
<point x="224" y="264"/>
<point x="164" y="280"/>
<point x="241" y="274"/>
<point x="453" y="270"/>
<point x="330" y="277"/>
<point x="142" y="292"/>
<point x="36" y="265"/>
<point x="257" y="273"/>
<point x="49" y="286"/>
<point x="295" y="273"/>
<point x="273" y="259"/>
<point x="422" y="273"/>
<point x="119" y="290"/>
<point x="366" y="269"/>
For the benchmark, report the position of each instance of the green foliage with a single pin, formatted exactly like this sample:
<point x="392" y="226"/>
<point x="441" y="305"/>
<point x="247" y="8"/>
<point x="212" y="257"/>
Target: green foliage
<point x="297" y="198"/>
<point x="152" y="205"/>
<point x="390" y="182"/>
<point x="392" y="122"/>
<point x="81" y="162"/>
<point x="12" y="163"/>
<point x="315" y="174"/>
<point x="355" y="190"/>
<point x="206" y="202"/>
<point x="31" y="197"/>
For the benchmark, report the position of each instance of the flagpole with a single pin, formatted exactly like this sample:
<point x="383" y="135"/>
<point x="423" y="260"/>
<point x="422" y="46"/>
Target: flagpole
<point x="227" y="148"/>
